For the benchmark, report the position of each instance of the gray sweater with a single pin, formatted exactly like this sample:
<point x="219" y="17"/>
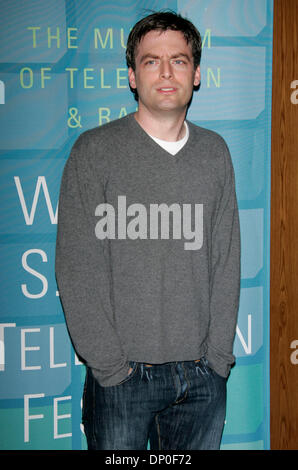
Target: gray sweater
<point x="148" y="250"/>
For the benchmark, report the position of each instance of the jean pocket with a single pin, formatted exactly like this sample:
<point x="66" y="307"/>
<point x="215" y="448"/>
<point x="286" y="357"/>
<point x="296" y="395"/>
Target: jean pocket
<point x="209" y="370"/>
<point x="134" y="366"/>
<point x="203" y="367"/>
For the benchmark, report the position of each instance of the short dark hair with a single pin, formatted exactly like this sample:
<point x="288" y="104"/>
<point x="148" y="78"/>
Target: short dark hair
<point x="163" y="21"/>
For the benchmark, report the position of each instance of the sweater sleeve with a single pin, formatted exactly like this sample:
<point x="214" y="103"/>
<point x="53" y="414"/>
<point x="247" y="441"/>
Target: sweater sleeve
<point x="225" y="277"/>
<point x="83" y="270"/>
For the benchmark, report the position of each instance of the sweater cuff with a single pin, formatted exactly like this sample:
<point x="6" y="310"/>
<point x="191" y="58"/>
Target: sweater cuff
<point x="108" y="379"/>
<point x="219" y="361"/>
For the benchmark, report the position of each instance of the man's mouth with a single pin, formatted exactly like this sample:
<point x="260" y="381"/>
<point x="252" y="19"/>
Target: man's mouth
<point x="166" y="89"/>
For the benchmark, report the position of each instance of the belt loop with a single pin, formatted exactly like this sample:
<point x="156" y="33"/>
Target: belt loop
<point x="142" y="369"/>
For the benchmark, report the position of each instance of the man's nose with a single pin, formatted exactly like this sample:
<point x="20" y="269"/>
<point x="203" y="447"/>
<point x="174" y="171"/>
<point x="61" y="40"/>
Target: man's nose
<point x="166" y="70"/>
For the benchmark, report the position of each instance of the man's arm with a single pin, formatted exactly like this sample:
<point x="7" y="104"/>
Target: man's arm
<point x="83" y="270"/>
<point x="225" y="278"/>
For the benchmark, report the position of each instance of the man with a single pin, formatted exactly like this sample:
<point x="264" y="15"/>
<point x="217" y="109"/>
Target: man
<point x="147" y="257"/>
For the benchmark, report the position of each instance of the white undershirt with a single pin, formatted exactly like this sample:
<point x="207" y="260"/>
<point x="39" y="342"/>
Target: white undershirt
<point x="173" y="147"/>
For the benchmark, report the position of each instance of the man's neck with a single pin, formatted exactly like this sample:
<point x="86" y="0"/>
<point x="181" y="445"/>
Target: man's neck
<point x="166" y="127"/>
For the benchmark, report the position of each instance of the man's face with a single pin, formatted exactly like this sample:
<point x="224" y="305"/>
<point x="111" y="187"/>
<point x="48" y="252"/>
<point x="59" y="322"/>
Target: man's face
<point x="164" y="74"/>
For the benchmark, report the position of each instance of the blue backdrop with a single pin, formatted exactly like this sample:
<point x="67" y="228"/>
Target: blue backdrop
<point x="63" y="71"/>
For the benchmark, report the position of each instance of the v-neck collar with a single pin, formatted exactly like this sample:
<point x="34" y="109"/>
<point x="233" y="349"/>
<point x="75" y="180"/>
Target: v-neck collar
<point x="151" y="142"/>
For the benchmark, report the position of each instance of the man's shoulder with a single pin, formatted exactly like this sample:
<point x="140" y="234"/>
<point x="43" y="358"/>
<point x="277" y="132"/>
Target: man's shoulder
<point x="207" y="136"/>
<point x="110" y="130"/>
<point x="95" y="148"/>
<point x="97" y="144"/>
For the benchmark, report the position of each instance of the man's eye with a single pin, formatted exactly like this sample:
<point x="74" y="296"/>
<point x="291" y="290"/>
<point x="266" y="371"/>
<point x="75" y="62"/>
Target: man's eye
<point x="179" y="62"/>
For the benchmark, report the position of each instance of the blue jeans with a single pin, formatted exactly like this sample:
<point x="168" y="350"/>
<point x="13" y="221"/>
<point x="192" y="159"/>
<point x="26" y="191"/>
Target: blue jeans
<point x="177" y="405"/>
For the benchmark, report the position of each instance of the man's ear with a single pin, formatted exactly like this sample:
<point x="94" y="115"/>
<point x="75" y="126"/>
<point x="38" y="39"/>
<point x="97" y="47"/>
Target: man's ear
<point x="132" y="78"/>
<point x="197" y="76"/>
